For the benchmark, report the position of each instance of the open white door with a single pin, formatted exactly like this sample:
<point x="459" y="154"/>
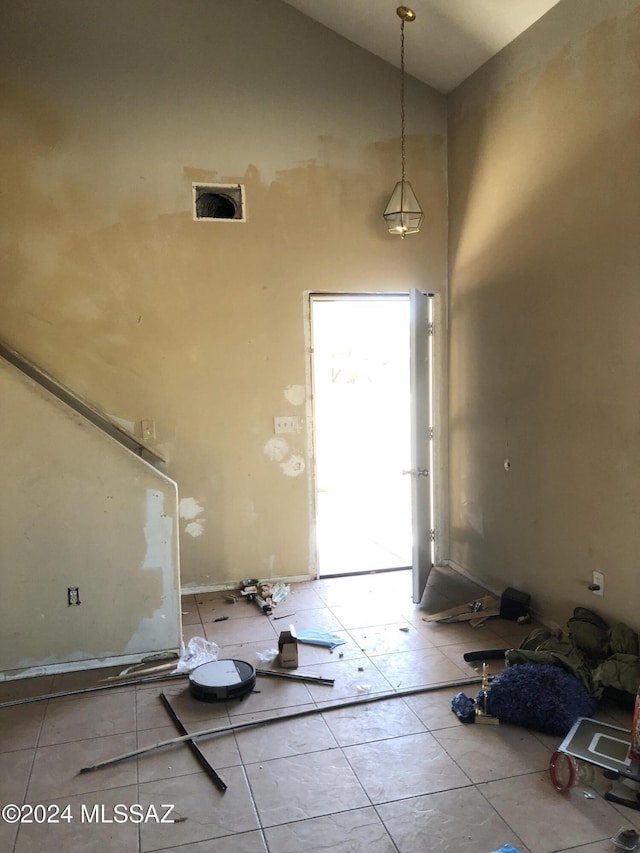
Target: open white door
<point x="420" y="311"/>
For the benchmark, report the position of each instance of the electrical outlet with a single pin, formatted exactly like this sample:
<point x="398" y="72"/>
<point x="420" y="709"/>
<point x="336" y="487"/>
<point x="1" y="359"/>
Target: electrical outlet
<point x="73" y="596"/>
<point x="286" y="424"/>
<point x="148" y="429"/>
<point x="598" y="581"/>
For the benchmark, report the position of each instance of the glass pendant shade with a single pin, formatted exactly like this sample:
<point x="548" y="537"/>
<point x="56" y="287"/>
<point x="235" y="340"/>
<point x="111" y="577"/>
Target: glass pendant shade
<point x="403" y="214"/>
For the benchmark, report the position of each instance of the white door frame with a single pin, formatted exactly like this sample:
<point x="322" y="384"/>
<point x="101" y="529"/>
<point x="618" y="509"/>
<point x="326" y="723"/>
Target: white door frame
<point x="440" y="439"/>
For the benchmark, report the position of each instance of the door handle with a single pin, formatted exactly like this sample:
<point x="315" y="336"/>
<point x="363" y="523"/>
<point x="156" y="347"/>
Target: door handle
<point x="417" y="472"/>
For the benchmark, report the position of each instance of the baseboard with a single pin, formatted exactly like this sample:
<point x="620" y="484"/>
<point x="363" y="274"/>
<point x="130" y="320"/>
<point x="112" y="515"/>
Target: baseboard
<point x="225" y="587"/>
<point x="92" y="663"/>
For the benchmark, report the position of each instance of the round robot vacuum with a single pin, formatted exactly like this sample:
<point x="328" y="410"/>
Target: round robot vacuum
<point x="220" y="680"/>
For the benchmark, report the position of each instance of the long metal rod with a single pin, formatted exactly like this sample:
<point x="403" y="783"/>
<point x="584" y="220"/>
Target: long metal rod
<point x="110" y="686"/>
<point x="141" y="679"/>
<point x="297" y="676"/>
<point x="351" y="703"/>
<point x="195" y="749"/>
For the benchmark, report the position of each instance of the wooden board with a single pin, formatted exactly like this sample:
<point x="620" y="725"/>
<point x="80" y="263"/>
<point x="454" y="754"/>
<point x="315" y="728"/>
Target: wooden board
<point x="481" y="608"/>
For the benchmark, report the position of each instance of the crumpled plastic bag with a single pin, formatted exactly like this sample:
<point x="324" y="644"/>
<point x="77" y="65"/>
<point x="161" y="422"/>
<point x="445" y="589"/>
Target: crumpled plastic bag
<point x="268" y="656"/>
<point x="197" y="652"/>
<point x="464" y="708"/>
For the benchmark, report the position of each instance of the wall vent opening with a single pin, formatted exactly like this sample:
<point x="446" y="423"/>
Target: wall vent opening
<point x="222" y="202"/>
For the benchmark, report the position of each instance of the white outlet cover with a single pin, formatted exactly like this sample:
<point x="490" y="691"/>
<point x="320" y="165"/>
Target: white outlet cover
<point x="286" y="424"/>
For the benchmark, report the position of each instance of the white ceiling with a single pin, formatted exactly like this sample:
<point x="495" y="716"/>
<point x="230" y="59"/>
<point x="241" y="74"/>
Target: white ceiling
<point x="448" y="40"/>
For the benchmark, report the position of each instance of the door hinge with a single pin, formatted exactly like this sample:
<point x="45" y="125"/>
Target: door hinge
<point x="430" y="329"/>
<point x="432" y="535"/>
<point x="430" y="434"/>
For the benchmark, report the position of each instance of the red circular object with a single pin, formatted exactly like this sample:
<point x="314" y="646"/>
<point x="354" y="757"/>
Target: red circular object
<point x="562" y="770"/>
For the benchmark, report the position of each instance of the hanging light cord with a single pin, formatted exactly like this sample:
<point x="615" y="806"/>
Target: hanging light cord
<point x="402" y="95"/>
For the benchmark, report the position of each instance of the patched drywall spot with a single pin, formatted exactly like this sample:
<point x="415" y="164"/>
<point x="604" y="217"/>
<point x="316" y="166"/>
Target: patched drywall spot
<point x="294" y="466"/>
<point x="276" y="449"/>
<point x="190" y="508"/>
<point x="295" y="394"/>
<point x="158" y="533"/>
<point x="249" y="514"/>
<point x="195" y="528"/>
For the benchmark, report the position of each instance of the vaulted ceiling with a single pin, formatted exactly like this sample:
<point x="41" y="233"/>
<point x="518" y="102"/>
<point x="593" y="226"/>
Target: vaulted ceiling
<point x="448" y="40"/>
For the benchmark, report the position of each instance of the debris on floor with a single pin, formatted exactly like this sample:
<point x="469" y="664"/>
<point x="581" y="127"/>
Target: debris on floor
<point x="626" y="839"/>
<point x="298" y="676"/>
<point x="541" y="697"/>
<point x="475" y="711"/>
<point x="626" y="792"/>
<point x="464" y="708"/>
<point x="506" y="848"/>
<point x="197" y="652"/>
<point x="475" y="612"/>
<point x="512" y="605"/>
<point x="288" y="648"/>
<point x="193" y="746"/>
<point x="264" y="594"/>
<point x="320" y="637"/>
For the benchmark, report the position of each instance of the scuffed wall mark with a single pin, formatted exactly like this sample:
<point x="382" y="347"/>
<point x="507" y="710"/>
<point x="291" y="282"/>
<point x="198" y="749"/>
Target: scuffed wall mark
<point x="190" y="508"/>
<point x="276" y="449"/>
<point x="128" y="425"/>
<point x="269" y="565"/>
<point x="195" y="528"/>
<point x="294" y="466"/>
<point x="193" y="173"/>
<point x="295" y="394"/>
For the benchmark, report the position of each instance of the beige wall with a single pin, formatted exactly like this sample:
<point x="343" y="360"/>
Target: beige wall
<point x="112" y="110"/>
<point x="78" y="510"/>
<point x="544" y="180"/>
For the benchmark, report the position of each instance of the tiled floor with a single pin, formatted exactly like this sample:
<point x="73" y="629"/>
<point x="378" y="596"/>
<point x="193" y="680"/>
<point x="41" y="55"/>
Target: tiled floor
<point x="402" y="774"/>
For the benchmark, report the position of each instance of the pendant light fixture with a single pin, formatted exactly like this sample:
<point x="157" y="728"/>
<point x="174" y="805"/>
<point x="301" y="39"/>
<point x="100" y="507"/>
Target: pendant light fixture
<point x="403" y="214"/>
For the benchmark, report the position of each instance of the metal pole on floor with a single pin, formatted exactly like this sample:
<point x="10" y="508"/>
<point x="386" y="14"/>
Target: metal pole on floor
<point x="336" y="706"/>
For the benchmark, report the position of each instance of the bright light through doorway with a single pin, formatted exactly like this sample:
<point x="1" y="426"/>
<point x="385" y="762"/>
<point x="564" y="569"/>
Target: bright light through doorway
<point x="362" y="432"/>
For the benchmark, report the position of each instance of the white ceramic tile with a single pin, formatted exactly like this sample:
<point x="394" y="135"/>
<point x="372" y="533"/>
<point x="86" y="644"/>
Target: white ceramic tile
<point x="376" y="721"/>
<point x="90" y="715"/>
<point x="386" y="639"/>
<point x="20" y="726"/>
<point x="406" y="766"/>
<point x="355" y="678"/>
<point x="547" y="820"/>
<point x="419" y="668"/>
<point x="433" y="707"/>
<point x="15" y="768"/>
<point x="290" y="737"/>
<point x="203" y="811"/>
<point x="488" y="752"/>
<point x="56" y="769"/>
<point x="178" y="760"/>
<point x="368" y="614"/>
<point x="235" y="631"/>
<point x="241" y="842"/>
<point x="304" y="786"/>
<point x="347" y="832"/>
<point x="303" y="620"/>
<point x="90" y="829"/>
<point x="458" y="820"/>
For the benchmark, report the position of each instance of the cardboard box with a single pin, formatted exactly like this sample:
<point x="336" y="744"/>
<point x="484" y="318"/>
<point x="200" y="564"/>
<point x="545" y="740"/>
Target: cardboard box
<point x="288" y="648"/>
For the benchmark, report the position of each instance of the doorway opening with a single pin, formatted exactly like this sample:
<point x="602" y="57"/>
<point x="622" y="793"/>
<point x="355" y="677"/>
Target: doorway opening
<point x="362" y="432"/>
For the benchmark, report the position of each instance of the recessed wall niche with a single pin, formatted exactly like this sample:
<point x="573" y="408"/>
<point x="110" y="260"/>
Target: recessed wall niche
<point x="219" y="202"/>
